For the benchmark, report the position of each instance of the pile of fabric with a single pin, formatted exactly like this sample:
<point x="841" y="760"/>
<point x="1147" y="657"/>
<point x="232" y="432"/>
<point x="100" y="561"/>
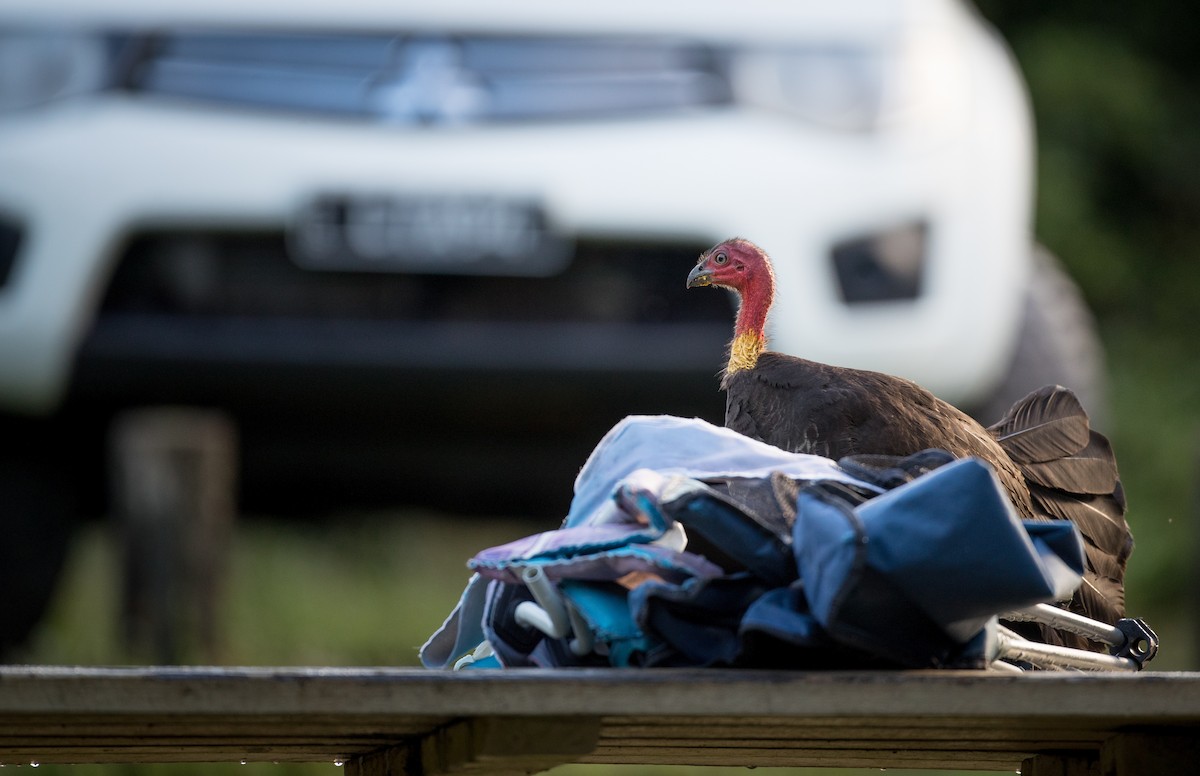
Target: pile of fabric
<point x="687" y="544"/>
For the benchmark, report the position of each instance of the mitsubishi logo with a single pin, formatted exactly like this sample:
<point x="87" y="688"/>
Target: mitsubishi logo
<point x="428" y="84"/>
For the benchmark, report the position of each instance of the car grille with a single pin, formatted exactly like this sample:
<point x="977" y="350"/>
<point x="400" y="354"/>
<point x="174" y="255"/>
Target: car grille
<point x="426" y="79"/>
<point x="250" y="276"/>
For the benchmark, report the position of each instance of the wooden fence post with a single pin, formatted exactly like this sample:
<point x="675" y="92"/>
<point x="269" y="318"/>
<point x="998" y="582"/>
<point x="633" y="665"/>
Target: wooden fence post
<point x="173" y="479"/>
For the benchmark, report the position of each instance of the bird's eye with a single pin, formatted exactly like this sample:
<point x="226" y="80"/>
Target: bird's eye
<point x="720" y="258"/>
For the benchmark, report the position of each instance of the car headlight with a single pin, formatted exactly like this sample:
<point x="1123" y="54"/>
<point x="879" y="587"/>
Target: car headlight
<point x="40" y="66"/>
<point x="858" y="86"/>
<point x="834" y="87"/>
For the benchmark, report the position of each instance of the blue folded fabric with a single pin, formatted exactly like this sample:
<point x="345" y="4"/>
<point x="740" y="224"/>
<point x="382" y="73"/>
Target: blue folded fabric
<point x="733" y="553"/>
<point x="917" y="572"/>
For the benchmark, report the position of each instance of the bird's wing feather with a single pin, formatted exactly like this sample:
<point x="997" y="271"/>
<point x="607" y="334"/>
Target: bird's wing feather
<point x="1099" y="518"/>
<point x="1092" y="469"/>
<point x="1045" y="425"/>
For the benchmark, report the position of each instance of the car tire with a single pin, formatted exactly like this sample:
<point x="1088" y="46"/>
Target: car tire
<point x="38" y="514"/>
<point x="1059" y="344"/>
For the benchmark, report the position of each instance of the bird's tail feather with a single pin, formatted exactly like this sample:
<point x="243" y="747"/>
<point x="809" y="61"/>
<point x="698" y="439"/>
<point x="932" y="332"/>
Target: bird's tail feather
<point x="1072" y="475"/>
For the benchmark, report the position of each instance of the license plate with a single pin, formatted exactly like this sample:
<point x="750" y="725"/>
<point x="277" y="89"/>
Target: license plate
<point x="481" y="235"/>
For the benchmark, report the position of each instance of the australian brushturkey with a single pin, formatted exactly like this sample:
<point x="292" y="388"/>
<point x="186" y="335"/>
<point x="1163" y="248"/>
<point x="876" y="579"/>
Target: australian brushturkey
<point x="1053" y="465"/>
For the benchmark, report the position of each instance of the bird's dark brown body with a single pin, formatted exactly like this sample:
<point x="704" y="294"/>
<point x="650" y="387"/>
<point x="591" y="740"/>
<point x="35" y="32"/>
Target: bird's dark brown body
<point x="808" y="407"/>
<point x="1046" y="456"/>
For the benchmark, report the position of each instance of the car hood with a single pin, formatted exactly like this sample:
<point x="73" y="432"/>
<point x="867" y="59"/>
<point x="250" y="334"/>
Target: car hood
<point x="759" y="20"/>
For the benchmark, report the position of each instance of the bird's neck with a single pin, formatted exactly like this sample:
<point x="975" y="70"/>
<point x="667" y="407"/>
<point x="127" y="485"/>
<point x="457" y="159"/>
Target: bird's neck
<point x="749" y="331"/>
<point x="744" y="351"/>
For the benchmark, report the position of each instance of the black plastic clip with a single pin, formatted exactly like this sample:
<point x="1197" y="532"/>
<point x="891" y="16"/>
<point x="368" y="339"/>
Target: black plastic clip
<point x="1141" y="643"/>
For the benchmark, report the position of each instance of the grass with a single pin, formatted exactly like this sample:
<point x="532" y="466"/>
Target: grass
<point x="361" y="590"/>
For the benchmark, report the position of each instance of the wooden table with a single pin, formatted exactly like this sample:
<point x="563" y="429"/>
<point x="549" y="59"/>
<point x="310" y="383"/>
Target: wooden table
<point x="420" y="723"/>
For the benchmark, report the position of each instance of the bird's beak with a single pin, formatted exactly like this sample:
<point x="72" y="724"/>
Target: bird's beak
<point x="699" y="276"/>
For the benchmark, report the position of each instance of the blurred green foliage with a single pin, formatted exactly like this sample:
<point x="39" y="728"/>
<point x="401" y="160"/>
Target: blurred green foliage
<point x="1118" y="130"/>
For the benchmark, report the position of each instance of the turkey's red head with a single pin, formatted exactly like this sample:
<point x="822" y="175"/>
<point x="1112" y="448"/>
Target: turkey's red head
<point x="743" y="266"/>
<point x="735" y="264"/>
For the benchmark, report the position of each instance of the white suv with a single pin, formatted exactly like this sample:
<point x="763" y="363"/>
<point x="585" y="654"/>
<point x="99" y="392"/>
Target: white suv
<point x="454" y="234"/>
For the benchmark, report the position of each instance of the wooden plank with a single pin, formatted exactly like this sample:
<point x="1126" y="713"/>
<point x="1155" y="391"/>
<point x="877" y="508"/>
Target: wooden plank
<point x="495" y="745"/>
<point x="751" y="735"/>
<point x="1061" y="765"/>
<point x="1013" y="751"/>
<point x="793" y="725"/>
<point x="419" y="723"/>
<point x="214" y="753"/>
<point x="1147" y="752"/>
<point x="825" y="758"/>
<point x="390" y="761"/>
<point x="118" y="725"/>
<point x="934" y="695"/>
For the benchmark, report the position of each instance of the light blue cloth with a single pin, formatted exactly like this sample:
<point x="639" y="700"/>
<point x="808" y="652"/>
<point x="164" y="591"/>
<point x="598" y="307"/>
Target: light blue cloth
<point x="689" y="447"/>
